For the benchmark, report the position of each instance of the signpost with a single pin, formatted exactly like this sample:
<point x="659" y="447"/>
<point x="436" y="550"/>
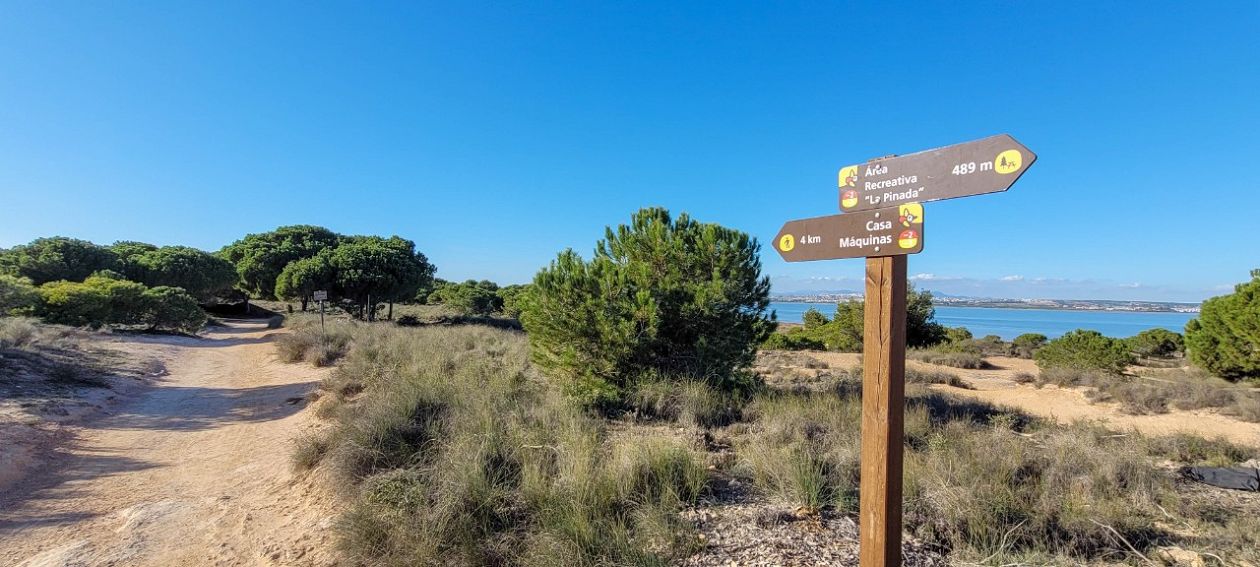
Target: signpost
<point x="884" y="223"/>
<point x="972" y="168"/>
<point x="321" y="296"/>
<point x="882" y="232"/>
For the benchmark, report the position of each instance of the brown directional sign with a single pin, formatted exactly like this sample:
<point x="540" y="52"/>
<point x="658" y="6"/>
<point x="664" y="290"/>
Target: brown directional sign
<point x="882" y="232"/>
<point x="972" y="168"/>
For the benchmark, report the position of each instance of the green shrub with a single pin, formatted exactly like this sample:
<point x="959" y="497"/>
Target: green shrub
<point x="1156" y="343"/>
<point x="814" y="318"/>
<point x="104" y="300"/>
<point x="1027" y="344"/>
<point x="1225" y="338"/>
<point x="470" y="298"/>
<point x="844" y="331"/>
<point x="957" y="334"/>
<point x="75" y="304"/>
<point x="171" y="309"/>
<point x="510" y="299"/>
<point x="674" y="296"/>
<point x="1085" y="350"/>
<point x="17" y="295"/>
<point x="993" y="345"/>
<point x="793" y="339"/>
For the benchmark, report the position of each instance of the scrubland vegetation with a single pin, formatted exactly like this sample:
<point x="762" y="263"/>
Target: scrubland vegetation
<point x="452" y="445"/>
<point x="457" y="452"/>
<point x="40" y="360"/>
<point x="631" y="397"/>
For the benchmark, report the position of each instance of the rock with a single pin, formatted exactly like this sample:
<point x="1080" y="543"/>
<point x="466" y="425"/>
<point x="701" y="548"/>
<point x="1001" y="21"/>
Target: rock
<point x="1173" y="555"/>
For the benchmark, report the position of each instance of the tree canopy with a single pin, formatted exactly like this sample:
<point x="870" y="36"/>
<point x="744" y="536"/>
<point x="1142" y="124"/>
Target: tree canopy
<point x="1225" y="338"/>
<point x="56" y="258"/>
<point x="369" y="269"/>
<point x="260" y="258"/>
<point x="1157" y="342"/>
<point x="471" y="297"/>
<point x="843" y="332"/>
<point x="201" y="274"/>
<point x="662" y="295"/>
<point x="302" y="278"/>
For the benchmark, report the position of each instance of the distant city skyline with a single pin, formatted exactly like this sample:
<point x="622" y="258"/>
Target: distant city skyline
<point x="1011" y="287"/>
<point x="497" y="135"/>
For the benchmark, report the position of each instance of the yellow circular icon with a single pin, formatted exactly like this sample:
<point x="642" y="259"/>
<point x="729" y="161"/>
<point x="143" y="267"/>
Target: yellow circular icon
<point x="848" y="199"/>
<point x="908" y="239"/>
<point x="1008" y="162"/>
<point x="787" y="243"/>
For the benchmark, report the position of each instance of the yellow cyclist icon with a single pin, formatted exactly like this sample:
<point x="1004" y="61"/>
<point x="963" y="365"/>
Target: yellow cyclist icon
<point x="848" y="176"/>
<point x="910" y="214"/>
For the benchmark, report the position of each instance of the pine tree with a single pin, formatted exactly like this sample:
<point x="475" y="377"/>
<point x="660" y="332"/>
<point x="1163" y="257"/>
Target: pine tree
<point x="662" y="295"/>
<point x="1225" y="338"/>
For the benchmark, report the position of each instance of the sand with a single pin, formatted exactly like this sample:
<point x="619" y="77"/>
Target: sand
<point x="192" y="469"/>
<point x="997" y="386"/>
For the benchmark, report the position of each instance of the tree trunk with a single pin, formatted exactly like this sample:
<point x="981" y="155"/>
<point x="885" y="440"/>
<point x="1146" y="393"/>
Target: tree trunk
<point x="390" y="317"/>
<point x="371" y="309"/>
<point x="304" y="300"/>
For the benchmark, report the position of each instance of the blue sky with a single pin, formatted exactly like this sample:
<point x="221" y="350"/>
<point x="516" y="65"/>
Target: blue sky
<point x="497" y="134"/>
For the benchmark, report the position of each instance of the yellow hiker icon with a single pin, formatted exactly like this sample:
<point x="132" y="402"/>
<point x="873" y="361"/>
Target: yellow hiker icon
<point x="1008" y="162"/>
<point x="787" y="243"/>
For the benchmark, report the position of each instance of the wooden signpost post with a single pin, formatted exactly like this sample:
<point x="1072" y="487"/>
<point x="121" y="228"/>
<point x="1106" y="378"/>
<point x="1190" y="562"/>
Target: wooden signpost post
<point x="321" y="296"/>
<point x="884" y="223"/>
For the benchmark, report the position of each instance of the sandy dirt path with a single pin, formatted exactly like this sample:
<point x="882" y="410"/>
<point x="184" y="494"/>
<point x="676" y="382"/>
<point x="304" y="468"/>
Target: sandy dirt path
<point x="191" y="471"/>
<point x="997" y="386"/>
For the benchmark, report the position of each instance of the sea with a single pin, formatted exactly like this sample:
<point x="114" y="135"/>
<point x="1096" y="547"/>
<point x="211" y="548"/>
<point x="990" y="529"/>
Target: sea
<point x="1009" y="323"/>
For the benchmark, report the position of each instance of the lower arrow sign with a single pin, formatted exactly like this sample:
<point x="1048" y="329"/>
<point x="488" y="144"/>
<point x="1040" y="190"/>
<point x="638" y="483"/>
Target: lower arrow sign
<point x="893" y="231"/>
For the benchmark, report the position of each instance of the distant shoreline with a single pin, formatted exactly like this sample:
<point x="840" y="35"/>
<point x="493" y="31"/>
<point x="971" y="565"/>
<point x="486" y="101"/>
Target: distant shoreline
<point x="1009" y="306"/>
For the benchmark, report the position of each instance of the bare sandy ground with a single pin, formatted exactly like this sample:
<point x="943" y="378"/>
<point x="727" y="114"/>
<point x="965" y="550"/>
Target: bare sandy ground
<point x="997" y="386"/>
<point x="192" y="470"/>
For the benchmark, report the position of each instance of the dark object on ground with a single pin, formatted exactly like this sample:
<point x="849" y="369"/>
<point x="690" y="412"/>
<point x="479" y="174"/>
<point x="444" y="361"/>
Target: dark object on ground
<point x="1234" y="478"/>
<point x="236" y="310"/>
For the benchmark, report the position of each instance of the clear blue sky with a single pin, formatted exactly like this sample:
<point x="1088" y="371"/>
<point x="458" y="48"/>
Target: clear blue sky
<point x="496" y="134"/>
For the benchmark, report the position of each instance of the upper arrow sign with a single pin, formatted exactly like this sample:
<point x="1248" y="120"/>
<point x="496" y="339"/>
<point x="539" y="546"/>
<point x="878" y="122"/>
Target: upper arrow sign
<point x="972" y="168"/>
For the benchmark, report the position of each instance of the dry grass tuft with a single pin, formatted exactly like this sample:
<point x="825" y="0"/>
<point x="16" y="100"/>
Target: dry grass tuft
<point x="453" y="452"/>
<point x="985" y="482"/>
<point x="1155" y="392"/>
<point x="954" y="359"/>
<point x="307" y="343"/>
